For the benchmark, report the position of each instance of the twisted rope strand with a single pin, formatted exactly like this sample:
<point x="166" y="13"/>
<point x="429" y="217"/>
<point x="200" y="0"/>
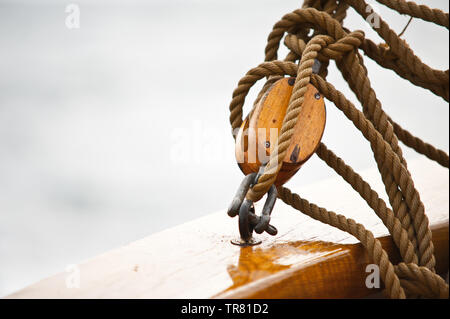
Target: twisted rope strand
<point x="383" y="150"/>
<point x="380" y="55"/>
<point x="392" y="223"/>
<point x="418" y="11"/>
<point x="420" y="146"/>
<point x="399" y="46"/>
<point x="373" y="245"/>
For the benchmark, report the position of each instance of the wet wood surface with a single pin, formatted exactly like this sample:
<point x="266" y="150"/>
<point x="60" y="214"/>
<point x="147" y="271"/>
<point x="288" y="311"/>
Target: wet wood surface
<point x="307" y="259"/>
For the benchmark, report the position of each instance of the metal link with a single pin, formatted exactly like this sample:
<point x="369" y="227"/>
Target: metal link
<point x="245" y="229"/>
<point x="248" y="220"/>
<point x="267" y="210"/>
<point x="248" y="180"/>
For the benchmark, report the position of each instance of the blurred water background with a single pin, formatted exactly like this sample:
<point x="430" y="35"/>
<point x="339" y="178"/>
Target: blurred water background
<point x="119" y="129"/>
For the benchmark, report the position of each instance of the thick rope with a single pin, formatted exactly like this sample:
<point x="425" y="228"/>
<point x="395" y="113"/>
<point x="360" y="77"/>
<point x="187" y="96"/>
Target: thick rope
<point x="406" y="221"/>
<point x="373" y="245"/>
<point x="392" y="223"/>
<point x="297" y="46"/>
<point x="418" y="11"/>
<point x="400" y="48"/>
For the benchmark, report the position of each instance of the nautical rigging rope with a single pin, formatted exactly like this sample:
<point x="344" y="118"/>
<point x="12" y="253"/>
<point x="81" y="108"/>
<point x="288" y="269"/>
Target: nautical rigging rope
<point x="330" y="40"/>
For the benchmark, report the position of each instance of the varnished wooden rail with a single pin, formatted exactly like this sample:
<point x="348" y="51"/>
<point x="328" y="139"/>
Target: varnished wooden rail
<point x="307" y="259"/>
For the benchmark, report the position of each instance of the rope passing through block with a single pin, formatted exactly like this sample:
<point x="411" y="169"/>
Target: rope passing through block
<point x="315" y="33"/>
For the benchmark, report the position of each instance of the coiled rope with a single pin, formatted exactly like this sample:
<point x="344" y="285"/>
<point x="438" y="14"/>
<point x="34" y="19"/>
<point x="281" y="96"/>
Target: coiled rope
<point x="316" y="32"/>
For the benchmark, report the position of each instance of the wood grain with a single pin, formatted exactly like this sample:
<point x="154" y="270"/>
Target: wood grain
<point x="330" y="270"/>
<point x="307" y="259"/>
<point x="257" y="137"/>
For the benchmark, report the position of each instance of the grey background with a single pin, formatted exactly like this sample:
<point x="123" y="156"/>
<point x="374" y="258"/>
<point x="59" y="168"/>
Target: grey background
<point x="92" y="119"/>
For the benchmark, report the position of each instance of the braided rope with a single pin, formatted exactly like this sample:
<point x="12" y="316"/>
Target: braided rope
<point x="406" y="221"/>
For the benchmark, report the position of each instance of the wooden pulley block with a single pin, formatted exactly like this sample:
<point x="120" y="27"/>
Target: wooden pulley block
<point x="258" y="134"/>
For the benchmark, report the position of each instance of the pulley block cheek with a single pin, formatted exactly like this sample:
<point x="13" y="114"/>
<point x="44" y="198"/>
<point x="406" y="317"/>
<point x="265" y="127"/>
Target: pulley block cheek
<point x="258" y="135"/>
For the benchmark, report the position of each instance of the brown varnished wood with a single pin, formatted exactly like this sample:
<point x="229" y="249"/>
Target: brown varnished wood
<point x="330" y="270"/>
<point x="268" y="116"/>
<point x="307" y="259"/>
